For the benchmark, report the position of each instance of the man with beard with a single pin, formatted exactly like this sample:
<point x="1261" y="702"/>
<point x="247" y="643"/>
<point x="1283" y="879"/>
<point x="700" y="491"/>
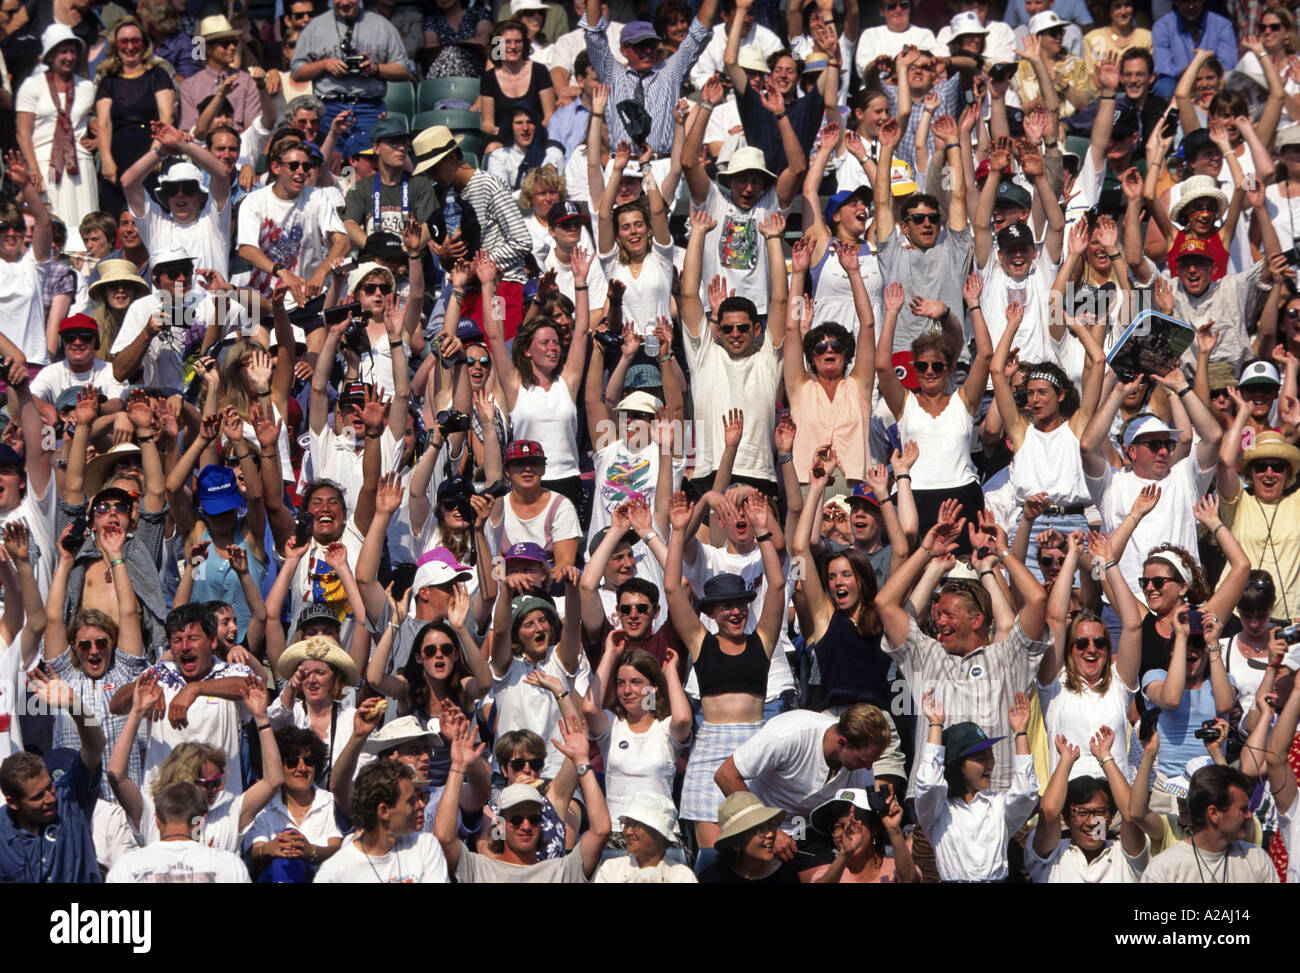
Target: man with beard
<point x="194" y="671"/>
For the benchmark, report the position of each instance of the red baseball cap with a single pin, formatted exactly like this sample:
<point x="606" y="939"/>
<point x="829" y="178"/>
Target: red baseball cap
<point x="524" y="449"/>
<point x="1191" y="247"/>
<point x="78" y="322"/>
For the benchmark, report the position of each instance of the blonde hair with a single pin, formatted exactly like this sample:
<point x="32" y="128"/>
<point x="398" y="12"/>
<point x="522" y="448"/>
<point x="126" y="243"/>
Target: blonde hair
<point x="185" y="763"/>
<point x="543" y="177"/>
<point x="112" y="63"/>
<point x="233" y="391"/>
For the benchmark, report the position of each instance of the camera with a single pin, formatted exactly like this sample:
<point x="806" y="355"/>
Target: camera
<point x="877" y="801"/>
<point x="1002" y="72"/>
<point x="77" y="536"/>
<point x="452" y="420"/>
<point x="610" y="340"/>
<point x="495" y="490"/>
<point x="1208" y="732"/>
<point x="302" y="530"/>
<point x="1195" y="622"/>
<point x="1171" y="124"/>
<point x="354" y="62"/>
<point x="355" y="336"/>
<point x="1290" y="635"/>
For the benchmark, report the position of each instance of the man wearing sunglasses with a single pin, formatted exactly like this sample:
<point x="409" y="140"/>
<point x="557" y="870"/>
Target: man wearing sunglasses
<point x="194" y="221"/>
<point x="1070" y="21"/>
<point x="220" y="43"/>
<point x="79" y="367"/>
<point x="290" y="230"/>
<point x="1152" y="454"/>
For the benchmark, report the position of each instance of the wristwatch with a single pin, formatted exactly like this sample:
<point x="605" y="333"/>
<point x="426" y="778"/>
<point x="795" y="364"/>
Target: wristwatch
<point x="583" y="768"/>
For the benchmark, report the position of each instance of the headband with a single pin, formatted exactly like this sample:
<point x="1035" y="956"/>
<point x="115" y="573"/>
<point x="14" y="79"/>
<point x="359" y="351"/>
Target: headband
<point x="1174" y="562"/>
<point x="1042" y="375"/>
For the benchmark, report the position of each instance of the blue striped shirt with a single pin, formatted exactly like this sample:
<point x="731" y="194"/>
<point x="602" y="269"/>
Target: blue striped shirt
<point x="663" y="84"/>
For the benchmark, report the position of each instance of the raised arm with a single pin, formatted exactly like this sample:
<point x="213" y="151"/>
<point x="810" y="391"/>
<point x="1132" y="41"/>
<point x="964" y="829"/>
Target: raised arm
<point x="1047" y="836"/>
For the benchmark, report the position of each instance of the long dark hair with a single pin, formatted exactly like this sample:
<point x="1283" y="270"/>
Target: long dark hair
<point x="413" y="671"/>
<point x="535" y="154"/>
<point x="868" y="620"/>
<point x="646" y="664"/>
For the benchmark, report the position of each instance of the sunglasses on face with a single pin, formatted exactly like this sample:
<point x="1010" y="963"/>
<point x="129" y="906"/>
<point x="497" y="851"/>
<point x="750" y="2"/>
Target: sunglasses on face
<point x="1047" y="561"/>
<point x="535" y="764"/>
<point x="1271" y="466"/>
<point x="916" y="219"/>
<point x="517" y="819"/>
<point x="211" y="783"/>
<point x="925" y="367"/>
<point x="1156" y="445"/>
<point x="295" y="165"/>
<point x="85" y="337"/>
<point x="1056" y="33"/>
<point x="119" y="506"/>
<point x="1154" y="583"/>
<point x="13" y="228"/>
<point x="484" y="362"/>
<point x="187" y="188"/>
<point x="85" y="645"/>
<point x="369" y="289"/>
<point x="738" y="328"/>
<point x="438" y="648"/>
<point x="129" y="42"/>
<point x="302" y="758"/>
<point x="1081" y="643"/>
<point x="822" y="347"/>
<point x="638" y="608"/>
<point x="1270" y="27"/>
<point x="224" y="42"/>
<point x="899" y="5"/>
<point x="175" y="273"/>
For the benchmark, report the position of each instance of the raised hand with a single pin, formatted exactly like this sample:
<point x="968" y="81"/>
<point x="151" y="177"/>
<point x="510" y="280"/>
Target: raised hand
<point x="1018" y="715"/>
<point x="733" y="428"/>
<point x="970" y="290"/>
<point x="17" y="541"/>
<point x="679" y="512"/>
<point x="51" y="690"/>
<point x="944" y="128"/>
<point x="1065" y="748"/>
<point x="902" y="462"/>
<point x="1101" y="743"/>
<point x="928" y="307"/>
<point x="575" y="745"/>
<point x="783" y="435"/>
<point x="889" y="134"/>
<point x="1131" y="183"/>
<point x="932" y="707"/>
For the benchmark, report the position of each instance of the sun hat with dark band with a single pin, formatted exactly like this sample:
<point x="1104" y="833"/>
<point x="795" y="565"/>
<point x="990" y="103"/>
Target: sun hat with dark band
<point x="432" y="145"/>
<point x="741" y="812"/>
<point x="1270" y="445"/>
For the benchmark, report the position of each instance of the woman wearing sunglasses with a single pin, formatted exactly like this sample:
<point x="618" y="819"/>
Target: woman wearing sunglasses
<point x="1172" y="581"/>
<point x="1083" y="683"/>
<point x="296" y="830"/>
<point x="1045" y="444"/>
<point x="1264" y="518"/>
<point x="197" y="763"/>
<point x="937" y="416"/>
<point x="643" y="732"/>
<point x="830" y="392"/>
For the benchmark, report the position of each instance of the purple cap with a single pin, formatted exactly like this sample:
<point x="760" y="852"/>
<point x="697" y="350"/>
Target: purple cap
<point x="638" y="31"/>
<point x="528" y="551"/>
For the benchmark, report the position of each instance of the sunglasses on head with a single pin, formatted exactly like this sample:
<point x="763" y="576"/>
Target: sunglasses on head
<point x="369" y="289"/>
<point x="738" y="328"/>
<point x="302" y="758"/>
<point x="438" y="648"/>
<point x="1271" y="466"/>
<point x="295" y="165"/>
<point x="638" y="608"/>
<point x="822" y="347"/>
<point x="1259" y="584"/>
<point x="105" y="506"/>
<point x="925" y="367"/>
<point x="1155" y="583"/>
<point x="918" y="218"/>
<point x="535" y="764"/>
<point x="517" y="819"/>
<point x="100" y="642"/>
<point x="1101" y="642"/>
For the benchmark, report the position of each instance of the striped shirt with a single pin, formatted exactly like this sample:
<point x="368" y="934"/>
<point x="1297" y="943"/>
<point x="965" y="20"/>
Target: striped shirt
<point x="501" y="225"/>
<point x="662" y="86"/>
<point x="96" y="694"/>
<point x="979" y="686"/>
<point x="949" y="92"/>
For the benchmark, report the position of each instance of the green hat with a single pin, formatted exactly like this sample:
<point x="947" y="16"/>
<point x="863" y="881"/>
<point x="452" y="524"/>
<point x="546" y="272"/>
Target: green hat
<point x="523" y="604"/>
<point x="394" y="127"/>
<point x="963" y="740"/>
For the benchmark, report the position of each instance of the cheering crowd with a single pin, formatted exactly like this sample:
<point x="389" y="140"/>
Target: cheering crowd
<point x="826" y="444"/>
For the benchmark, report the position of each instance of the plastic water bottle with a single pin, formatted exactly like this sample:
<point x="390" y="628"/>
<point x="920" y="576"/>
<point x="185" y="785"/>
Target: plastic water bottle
<point x="651" y="344"/>
<point x="451" y="214"/>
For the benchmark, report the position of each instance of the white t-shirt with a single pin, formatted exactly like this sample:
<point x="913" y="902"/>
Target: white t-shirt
<point x="38" y="514"/>
<point x="1242" y="863"/>
<point x="213" y="721"/>
<point x="1289" y="825"/>
<point x="1067" y="864"/>
<point x="21" y="308"/>
<point x="184" y="862"/>
<point x="597" y="285"/>
<point x="1079" y="715"/>
<point x="648" y="294"/>
<point x="735" y="248"/>
<point x="206" y="239"/>
<point x="711" y="561"/>
<point x="1284" y="214"/>
<point x="720" y="383"/>
<point x="11" y="665"/>
<point x="784" y="764"/>
<point x="1000" y="289"/>
<point x="709" y="61"/>
<point x="163" y="361"/>
<point x="1115" y="491"/>
<point x="55" y="378"/>
<point x="878" y="41"/>
<point x="220" y="827"/>
<point x="519" y="706"/>
<point x="414" y="859"/>
<point x="293" y="232"/>
<point x="336" y="457"/>
<point x="636" y="762"/>
<point x="516" y="530"/>
<point x="620" y="470"/>
<point x="625" y="871"/>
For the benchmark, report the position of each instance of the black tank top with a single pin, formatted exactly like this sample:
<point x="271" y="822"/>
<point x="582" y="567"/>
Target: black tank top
<point x="854" y="669"/>
<point x="719" y="673"/>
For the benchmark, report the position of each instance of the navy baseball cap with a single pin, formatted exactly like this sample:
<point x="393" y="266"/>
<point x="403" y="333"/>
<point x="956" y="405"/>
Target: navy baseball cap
<point x="844" y="196"/>
<point x="354" y="390"/>
<point x="1015" y="235"/>
<point x="9" y="457"/>
<point x="864" y="494"/>
<point x="218" y="491"/>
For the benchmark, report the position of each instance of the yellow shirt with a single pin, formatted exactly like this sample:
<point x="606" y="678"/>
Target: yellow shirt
<point x="1102" y="41"/>
<point x="1276" y="551"/>
<point x="1067" y="68"/>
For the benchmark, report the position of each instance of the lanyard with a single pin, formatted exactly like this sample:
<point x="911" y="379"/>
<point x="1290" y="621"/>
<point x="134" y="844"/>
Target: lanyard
<point x="406" y="199"/>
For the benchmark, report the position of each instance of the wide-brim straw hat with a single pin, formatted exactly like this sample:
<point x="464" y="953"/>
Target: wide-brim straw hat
<point x="1269" y="445"/>
<point x="742" y="811"/>
<point x="321" y="648"/>
<point x="114" y="270"/>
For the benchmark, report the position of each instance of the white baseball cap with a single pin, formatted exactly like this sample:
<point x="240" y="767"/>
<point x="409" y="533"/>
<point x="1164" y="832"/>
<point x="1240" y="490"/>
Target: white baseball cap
<point x="1147" y="425"/>
<point x="1044" y="20"/>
